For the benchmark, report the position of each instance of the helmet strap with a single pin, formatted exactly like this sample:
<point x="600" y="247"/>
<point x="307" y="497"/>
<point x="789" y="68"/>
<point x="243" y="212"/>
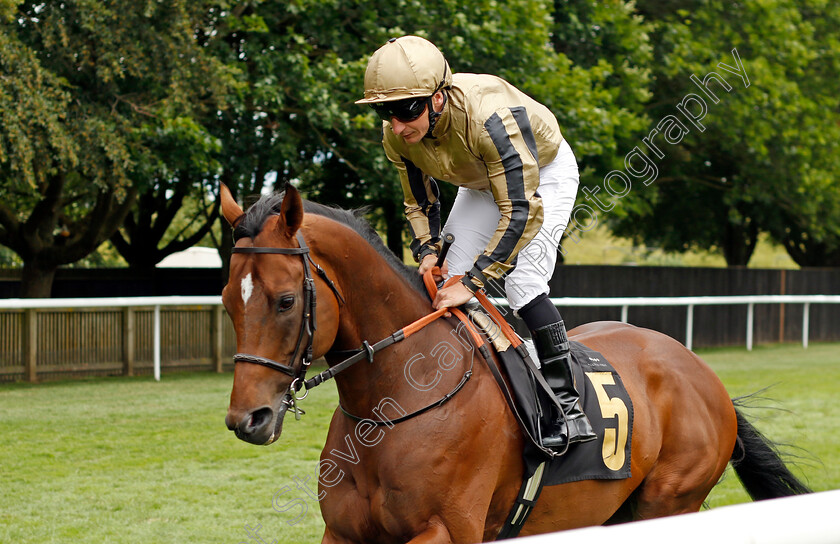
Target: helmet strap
<point x="434" y="115"/>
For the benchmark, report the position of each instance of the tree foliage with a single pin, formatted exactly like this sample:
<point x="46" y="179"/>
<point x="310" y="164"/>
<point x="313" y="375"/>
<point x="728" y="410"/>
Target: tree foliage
<point x="304" y="62"/>
<point x="176" y="205"/>
<point x="113" y="114"/>
<point x="766" y="158"/>
<point x="80" y="84"/>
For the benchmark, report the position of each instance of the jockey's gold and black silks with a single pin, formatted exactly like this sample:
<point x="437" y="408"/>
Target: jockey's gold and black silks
<point x="490" y="136"/>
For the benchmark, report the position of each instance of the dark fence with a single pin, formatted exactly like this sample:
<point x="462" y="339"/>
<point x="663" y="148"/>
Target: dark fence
<point x="123" y="282"/>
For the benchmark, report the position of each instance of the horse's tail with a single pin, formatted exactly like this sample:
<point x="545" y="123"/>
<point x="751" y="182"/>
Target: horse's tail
<point x="760" y="467"/>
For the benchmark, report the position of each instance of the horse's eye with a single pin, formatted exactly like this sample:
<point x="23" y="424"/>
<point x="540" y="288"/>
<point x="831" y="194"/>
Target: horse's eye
<point x="285" y="303"/>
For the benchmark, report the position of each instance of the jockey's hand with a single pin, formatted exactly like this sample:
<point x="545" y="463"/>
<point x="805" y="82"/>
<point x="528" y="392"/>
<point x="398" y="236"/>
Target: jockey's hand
<point x="428" y="263"/>
<point x="452" y="296"/>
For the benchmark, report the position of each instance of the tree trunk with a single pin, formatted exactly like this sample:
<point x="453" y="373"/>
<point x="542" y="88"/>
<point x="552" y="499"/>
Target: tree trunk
<point x="739" y="243"/>
<point x="806" y="252"/>
<point x="36" y="281"/>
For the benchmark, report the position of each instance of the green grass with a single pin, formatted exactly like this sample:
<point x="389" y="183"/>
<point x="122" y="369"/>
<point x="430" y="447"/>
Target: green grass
<point x="128" y="460"/>
<point x="800" y="409"/>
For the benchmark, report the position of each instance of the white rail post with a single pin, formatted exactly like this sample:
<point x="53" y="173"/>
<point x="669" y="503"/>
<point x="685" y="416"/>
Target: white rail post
<point x="218" y="337"/>
<point x="624" y="313"/>
<point x="689" y="326"/>
<point x="156" y="346"/>
<point x="806" y="311"/>
<point x="750" y="318"/>
<point x="30" y="345"/>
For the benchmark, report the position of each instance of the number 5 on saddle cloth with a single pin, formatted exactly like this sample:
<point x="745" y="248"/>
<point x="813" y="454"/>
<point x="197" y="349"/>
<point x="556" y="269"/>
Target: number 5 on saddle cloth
<point x="603" y="398"/>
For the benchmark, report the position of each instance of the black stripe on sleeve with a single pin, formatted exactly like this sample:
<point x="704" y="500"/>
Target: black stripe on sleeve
<point x="430" y="209"/>
<point x="520" y="115"/>
<point x="415" y="181"/>
<point x="515" y="183"/>
<point x="433" y="212"/>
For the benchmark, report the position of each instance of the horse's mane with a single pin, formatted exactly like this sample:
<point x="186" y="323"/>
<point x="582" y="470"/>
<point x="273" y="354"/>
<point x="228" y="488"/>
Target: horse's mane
<point x="252" y="223"/>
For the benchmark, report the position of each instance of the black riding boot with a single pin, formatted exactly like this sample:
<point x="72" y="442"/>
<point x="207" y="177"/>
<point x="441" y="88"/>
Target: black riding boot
<point x="552" y="346"/>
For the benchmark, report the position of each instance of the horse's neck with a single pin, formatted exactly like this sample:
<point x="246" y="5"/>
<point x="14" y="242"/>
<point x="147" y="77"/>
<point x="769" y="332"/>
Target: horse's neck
<point x="378" y="299"/>
<point x="378" y="302"/>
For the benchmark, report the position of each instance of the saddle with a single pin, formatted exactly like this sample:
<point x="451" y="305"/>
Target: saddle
<point x="603" y="398"/>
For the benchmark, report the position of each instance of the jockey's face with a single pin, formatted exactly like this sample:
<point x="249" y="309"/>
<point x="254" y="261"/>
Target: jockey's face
<point x="413" y="131"/>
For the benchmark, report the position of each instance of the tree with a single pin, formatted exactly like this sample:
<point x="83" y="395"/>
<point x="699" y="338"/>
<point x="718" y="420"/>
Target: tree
<point x="81" y="84"/>
<point x="176" y="207"/>
<point x="602" y="105"/>
<point x="755" y="146"/>
<point x="145" y="237"/>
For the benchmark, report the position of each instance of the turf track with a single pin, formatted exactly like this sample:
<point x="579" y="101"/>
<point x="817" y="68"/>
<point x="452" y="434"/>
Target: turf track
<point x="128" y="460"/>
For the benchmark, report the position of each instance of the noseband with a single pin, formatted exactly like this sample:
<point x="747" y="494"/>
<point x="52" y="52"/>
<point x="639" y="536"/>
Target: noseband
<point x="307" y="325"/>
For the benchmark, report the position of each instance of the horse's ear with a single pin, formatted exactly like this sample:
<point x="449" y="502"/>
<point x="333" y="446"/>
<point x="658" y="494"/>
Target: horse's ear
<point x="291" y="210"/>
<point x="230" y="209"/>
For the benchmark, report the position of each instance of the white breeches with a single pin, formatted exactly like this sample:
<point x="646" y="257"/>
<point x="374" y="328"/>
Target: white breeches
<point x="474" y="218"/>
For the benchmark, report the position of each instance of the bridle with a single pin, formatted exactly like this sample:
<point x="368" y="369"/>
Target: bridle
<point x="308" y="324"/>
<point x="307" y="330"/>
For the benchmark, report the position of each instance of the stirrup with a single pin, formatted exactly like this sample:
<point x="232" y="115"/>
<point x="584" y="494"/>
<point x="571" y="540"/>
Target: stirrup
<point x="559" y="435"/>
<point x="570" y="431"/>
<point x="555" y="442"/>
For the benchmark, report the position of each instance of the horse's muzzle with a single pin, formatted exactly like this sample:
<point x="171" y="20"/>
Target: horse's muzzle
<point x="261" y="426"/>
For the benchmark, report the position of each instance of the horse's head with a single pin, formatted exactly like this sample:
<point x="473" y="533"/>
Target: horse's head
<point x="269" y="296"/>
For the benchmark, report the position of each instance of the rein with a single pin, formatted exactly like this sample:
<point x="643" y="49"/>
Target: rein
<point x="367" y="351"/>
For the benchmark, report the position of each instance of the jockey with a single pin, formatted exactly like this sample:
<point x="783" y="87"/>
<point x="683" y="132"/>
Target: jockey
<point x="517" y="179"/>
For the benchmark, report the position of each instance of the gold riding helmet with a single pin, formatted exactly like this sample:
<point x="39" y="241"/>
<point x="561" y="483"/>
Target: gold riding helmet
<point x="406" y="68"/>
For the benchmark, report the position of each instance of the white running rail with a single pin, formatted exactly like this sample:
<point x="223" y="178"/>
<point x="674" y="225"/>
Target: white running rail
<point x="690" y="302"/>
<point x="115" y="302"/>
<point x="810" y="519"/>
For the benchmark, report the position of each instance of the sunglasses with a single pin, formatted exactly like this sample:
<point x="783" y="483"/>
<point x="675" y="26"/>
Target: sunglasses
<point x="406" y="110"/>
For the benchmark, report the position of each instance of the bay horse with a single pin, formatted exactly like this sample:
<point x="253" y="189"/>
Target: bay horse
<point x="451" y="474"/>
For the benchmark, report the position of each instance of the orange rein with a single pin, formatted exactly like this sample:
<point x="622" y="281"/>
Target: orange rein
<point x="367" y="351"/>
<point x="431" y="287"/>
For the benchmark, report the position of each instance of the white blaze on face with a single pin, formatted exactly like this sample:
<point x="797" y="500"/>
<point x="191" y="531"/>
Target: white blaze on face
<point x="247" y="288"/>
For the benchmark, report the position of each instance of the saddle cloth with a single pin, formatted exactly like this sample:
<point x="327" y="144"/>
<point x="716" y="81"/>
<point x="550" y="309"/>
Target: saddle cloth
<point x="603" y="398"/>
<point x="610" y="411"/>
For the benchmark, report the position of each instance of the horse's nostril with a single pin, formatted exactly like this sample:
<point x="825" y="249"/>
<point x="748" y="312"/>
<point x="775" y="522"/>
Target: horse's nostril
<point x="257" y="420"/>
